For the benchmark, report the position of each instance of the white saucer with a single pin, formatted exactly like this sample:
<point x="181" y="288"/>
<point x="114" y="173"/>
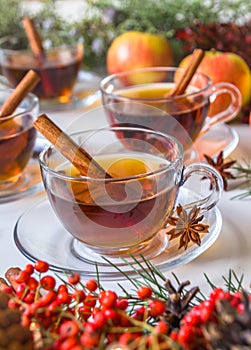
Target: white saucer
<point x="54" y="244"/>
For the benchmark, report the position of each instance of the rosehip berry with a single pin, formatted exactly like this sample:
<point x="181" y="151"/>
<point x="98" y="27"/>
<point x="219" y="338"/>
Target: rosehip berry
<point x="90" y="300"/>
<point x="78" y="295"/>
<point x="74" y="278"/>
<point x="91" y="285"/>
<point x="90" y="339"/>
<point x="29" y="268"/>
<point x="162" y="327"/>
<point x="48" y="282"/>
<point x="29" y="298"/>
<point x="69" y="329"/>
<point x="68" y="343"/>
<point x="63" y="298"/>
<point x="32" y="283"/>
<point x="144" y="292"/>
<point x="47" y="298"/>
<point x="41" y="266"/>
<point x="122" y="304"/>
<point x="99" y="319"/>
<point x="108" y="299"/>
<point x="85" y="312"/>
<point x="156" y="308"/>
<point x="22" y="277"/>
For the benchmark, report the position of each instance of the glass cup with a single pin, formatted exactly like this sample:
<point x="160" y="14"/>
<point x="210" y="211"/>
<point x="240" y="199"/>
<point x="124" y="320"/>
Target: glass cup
<point x="122" y="214"/>
<point x="17" y="139"/>
<point x="184" y="117"/>
<point x="58" y="71"/>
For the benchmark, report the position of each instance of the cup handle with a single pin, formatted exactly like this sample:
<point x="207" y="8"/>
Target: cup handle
<point x="231" y="111"/>
<point x="216" y="185"/>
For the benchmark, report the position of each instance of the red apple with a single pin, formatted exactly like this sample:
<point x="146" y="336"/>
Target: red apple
<point x="132" y="50"/>
<point x="225" y="67"/>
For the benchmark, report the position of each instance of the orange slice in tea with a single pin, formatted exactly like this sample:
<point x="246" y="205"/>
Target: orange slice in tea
<point x="126" y="167"/>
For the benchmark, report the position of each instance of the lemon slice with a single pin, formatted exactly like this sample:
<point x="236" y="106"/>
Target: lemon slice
<point x="127" y="167"/>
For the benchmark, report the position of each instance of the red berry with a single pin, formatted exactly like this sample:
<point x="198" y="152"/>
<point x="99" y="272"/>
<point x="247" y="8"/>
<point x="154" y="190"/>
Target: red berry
<point x="91" y="285"/>
<point x="63" y="298"/>
<point x="41" y="266"/>
<point x="32" y="283"/>
<point x="48" y="298"/>
<point x="157" y="308"/>
<point x="68" y="343"/>
<point x="74" y="278"/>
<point x="29" y="268"/>
<point x="89" y="339"/>
<point x="22" y="277"/>
<point x="99" y="319"/>
<point x="78" y="295"/>
<point x="29" y="298"/>
<point x="108" y="299"/>
<point x="122" y="304"/>
<point x="48" y="282"/>
<point x="69" y="329"/>
<point x="162" y="327"/>
<point x="144" y="292"/>
<point x="90" y="300"/>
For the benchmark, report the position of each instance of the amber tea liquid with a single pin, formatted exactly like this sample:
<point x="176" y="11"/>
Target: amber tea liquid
<point x="123" y="217"/>
<point x="184" y="120"/>
<point x="56" y="78"/>
<point x="16" y="146"/>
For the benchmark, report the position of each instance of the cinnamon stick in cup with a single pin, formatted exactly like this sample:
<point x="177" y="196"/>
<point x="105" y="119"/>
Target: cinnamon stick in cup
<point x="188" y="74"/>
<point x="34" y="38"/>
<point x="79" y="157"/>
<point x="25" y="86"/>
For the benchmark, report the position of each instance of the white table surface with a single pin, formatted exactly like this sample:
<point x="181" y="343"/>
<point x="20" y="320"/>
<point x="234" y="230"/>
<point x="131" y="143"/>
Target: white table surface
<point x="230" y="251"/>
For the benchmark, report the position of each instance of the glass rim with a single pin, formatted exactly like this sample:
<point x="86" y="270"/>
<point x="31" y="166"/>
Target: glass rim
<point x="168" y="167"/>
<point x="112" y="77"/>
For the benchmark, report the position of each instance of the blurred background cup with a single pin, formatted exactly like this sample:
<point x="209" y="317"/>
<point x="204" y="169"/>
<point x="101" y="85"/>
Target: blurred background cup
<point x="58" y="70"/>
<point x="186" y="115"/>
<point x="17" y="139"/>
<point x="125" y="212"/>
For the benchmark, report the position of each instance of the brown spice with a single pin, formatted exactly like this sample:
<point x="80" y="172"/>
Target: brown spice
<point x="79" y="157"/>
<point x="220" y="165"/>
<point x="188" y="74"/>
<point x="187" y="226"/>
<point x="35" y="39"/>
<point x="25" y="86"/>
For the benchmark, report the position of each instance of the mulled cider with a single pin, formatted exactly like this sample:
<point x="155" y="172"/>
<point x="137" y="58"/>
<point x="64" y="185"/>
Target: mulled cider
<point x="119" y="214"/>
<point x="58" y="71"/>
<point x="126" y="97"/>
<point x="17" y="139"/>
<point x="182" y="118"/>
<point x="123" y="209"/>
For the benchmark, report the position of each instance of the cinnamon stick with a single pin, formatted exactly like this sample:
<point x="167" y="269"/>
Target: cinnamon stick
<point x="79" y="157"/>
<point x="188" y="74"/>
<point x="34" y="38"/>
<point x="26" y="85"/>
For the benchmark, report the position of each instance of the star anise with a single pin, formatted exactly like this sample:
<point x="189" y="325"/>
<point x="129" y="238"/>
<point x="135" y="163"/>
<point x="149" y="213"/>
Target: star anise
<point x="187" y="226"/>
<point x="220" y="165"/>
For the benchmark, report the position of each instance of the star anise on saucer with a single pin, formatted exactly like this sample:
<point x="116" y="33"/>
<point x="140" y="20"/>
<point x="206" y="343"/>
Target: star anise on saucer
<point x="187" y="226"/>
<point x="220" y="165"/>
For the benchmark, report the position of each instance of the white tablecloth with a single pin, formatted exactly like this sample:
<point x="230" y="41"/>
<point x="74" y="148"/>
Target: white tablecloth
<point x="230" y="251"/>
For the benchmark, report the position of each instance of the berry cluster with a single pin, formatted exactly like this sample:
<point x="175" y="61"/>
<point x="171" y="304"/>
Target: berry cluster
<point x="76" y="315"/>
<point x="192" y="333"/>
